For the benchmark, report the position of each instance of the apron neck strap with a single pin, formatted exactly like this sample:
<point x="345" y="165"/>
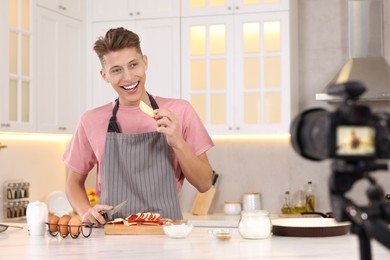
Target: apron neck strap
<point x="113" y="125"/>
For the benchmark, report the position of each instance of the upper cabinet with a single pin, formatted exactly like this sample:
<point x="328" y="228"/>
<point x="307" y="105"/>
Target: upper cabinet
<point x="71" y="8"/>
<point x="16" y="73"/>
<point x="60" y="69"/>
<point x="117" y="10"/>
<point x="238" y="71"/>
<point x="216" y="7"/>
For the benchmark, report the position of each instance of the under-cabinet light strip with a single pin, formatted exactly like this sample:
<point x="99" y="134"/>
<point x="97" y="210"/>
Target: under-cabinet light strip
<point x="34" y="137"/>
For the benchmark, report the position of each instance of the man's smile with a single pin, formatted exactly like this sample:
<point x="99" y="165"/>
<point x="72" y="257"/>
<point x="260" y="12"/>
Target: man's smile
<point x="129" y="87"/>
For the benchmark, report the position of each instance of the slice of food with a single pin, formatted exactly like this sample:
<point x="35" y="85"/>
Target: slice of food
<point x="146" y="109"/>
<point x="116" y="221"/>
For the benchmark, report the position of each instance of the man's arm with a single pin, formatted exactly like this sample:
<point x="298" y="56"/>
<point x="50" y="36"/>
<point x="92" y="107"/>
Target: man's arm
<point x="77" y="196"/>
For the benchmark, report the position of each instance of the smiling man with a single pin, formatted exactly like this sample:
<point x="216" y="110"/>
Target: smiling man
<point x="140" y="158"/>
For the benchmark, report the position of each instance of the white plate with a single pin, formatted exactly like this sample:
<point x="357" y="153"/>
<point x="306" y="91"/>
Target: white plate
<point x="58" y="204"/>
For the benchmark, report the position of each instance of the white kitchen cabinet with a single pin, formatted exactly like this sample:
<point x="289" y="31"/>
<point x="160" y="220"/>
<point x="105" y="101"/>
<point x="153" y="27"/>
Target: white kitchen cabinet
<point x="121" y="10"/>
<point x="160" y="41"/>
<point x="216" y="7"/>
<point x="60" y="71"/>
<point x="16" y="84"/>
<point x="71" y="8"/>
<point x="237" y="71"/>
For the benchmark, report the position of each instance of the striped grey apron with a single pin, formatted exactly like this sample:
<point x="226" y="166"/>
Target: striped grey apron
<point x="139" y="168"/>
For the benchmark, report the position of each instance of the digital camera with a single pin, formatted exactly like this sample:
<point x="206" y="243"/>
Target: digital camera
<point x="351" y="133"/>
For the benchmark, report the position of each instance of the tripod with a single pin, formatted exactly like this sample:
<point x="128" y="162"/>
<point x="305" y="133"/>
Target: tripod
<point x="367" y="222"/>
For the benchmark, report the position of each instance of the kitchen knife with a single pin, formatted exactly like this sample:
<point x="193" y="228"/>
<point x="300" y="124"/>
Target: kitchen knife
<point x="107" y="215"/>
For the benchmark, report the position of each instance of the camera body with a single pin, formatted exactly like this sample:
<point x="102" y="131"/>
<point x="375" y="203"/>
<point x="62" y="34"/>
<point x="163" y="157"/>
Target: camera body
<point x="351" y="133"/>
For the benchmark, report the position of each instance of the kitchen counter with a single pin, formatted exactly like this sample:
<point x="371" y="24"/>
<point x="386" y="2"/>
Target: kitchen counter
<point x="17" y="244"/>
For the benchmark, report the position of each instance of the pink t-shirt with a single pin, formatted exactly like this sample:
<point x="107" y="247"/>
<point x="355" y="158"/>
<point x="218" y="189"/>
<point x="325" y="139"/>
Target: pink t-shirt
<point x="87" y="145"/>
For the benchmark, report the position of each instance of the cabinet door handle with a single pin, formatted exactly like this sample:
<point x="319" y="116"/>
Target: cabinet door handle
<point x="62" y="128"/>
<point x="131" y="14"/>
<point x="62" y="7"/>
<point x="237" y="7"/>
<point x="229" y="8"/>
<point x="237" y="128"/>
<point x="137" y="13"/>
<point x="5" y="125"/>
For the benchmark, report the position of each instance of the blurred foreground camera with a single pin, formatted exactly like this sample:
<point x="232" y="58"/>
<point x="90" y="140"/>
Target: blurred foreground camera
<point x="351" y="133"/>
<point x="353" y="137"/>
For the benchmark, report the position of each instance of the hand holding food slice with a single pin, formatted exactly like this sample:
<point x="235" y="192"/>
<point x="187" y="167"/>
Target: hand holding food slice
<point x="146" y="109"/>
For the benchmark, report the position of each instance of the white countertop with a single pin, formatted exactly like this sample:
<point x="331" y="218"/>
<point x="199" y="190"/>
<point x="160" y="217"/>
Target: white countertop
<point x="18" y="244"/>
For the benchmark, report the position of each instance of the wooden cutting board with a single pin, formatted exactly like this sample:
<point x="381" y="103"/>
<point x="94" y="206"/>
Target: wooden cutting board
<point x="121" y="229"/>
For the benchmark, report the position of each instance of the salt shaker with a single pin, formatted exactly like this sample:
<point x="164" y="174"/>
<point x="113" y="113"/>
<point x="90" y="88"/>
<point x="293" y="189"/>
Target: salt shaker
<point x="255" y="224"/>
<point x="37" y="215"/>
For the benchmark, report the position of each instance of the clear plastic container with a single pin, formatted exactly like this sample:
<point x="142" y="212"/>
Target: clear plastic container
<point x="255" y="224"/>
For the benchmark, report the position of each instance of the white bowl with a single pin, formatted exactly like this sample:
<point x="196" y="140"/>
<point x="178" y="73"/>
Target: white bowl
<point x="180" y="230"/>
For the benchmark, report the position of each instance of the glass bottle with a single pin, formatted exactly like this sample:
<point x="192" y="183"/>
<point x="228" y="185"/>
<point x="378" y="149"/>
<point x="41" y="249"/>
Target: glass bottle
<point x="310" y="198"/>
<point x="286" y="207"/>
<point x="300" y="202"/>
<point x="255" y="224"/>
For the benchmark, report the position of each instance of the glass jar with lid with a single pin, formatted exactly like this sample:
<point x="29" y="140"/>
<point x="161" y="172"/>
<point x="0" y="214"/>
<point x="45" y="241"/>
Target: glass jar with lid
<point x="255" y="224"/>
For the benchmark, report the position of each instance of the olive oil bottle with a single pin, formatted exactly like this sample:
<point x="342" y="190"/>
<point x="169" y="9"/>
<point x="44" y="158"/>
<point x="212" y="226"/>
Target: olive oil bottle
<point x="286" y="207"/>
<point x="300" y="203"/>
<point x="310" y="198"/>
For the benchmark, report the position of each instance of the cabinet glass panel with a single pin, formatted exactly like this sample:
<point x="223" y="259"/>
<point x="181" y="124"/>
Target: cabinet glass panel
<point x="252" y="108"/>
<point x="218" y="109"/>
<point x="251" y="73"/>
<point x="13" y="13"/>
<point x="25" y="55"/>
<point x="272" y="106"/>
<point x="199" y="104"/>
<point x="25" y="101"/>
<point x="251" y="1"/>
<point x="217" y="39"/>
<point x="202" y="3"/>
<point x="13" y="100"/>
<point x="272" y="72"/>
<point x="272" y="36"/>
<point x="198" y="40"/>
<point x="197" y="3"/>
<point x="198" y="75"/>
<point x="26" y="15"/>
<point x="217" y="74"/>
<point x="13" y="52"/>
<point x="217" y="2"/>
<point x="251" y="37"/>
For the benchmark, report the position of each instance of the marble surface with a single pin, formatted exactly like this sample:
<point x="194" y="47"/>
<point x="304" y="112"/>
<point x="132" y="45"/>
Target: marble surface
<point x="18" y="244"/>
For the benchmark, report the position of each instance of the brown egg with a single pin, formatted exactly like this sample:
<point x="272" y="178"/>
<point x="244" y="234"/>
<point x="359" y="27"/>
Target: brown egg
<point x="75" y="224"/>
<point x="53" y="221"/>
<point x="63" y="225"/>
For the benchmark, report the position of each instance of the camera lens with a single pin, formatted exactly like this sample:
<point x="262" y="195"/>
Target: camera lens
<point x="310" y="134"/>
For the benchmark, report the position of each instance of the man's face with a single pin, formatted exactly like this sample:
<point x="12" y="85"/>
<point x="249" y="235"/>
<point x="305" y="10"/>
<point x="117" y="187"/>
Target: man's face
<point x="125" y="71"/>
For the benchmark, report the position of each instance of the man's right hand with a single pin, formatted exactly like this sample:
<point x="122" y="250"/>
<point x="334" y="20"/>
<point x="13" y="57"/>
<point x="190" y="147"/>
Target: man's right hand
<point x="94" y="215"/>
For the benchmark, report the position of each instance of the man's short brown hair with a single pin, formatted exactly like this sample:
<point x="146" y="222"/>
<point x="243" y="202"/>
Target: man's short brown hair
<point x="116" y="39"/>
